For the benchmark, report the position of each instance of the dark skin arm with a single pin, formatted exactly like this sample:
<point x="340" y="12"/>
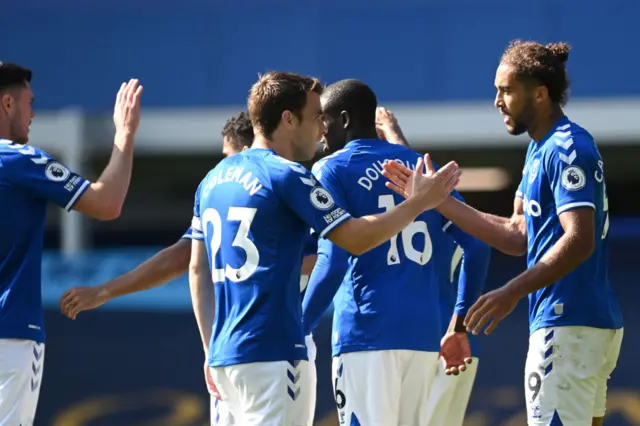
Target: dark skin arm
<point x="573" y="248"/>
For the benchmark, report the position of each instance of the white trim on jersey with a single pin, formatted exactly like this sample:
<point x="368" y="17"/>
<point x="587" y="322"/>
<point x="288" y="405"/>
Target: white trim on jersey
<point x="569" y="206"/>
<point x="78" y="193"/>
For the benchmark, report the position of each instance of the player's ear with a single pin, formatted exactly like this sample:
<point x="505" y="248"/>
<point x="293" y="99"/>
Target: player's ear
<point x="288" y="119"/>
<point x="540" y="93"/>
<point x="6" y="101"/>
<point x="346" y="120"/>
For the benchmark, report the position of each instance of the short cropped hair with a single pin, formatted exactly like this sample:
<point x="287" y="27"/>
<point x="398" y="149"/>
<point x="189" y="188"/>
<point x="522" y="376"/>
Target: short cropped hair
<point x="275" y="93"/>
<point x="353" y="96"/>
<point x="238" y="131"/>
<point x="541" y="64"/>
<point x="13" y="75"/>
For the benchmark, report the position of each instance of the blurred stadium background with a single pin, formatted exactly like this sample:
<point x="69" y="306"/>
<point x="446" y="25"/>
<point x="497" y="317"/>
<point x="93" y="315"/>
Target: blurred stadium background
<point x="138" y="360"/>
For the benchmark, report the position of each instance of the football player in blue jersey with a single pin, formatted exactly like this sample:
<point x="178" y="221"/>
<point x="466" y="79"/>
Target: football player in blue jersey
<point x="173" y="261"/>
<point x="561" y="221"/>
<point x="254" y="211"/>
<point x="30" y="179"/>
<point x="449" y="396"/>
<point x="387" y="325"/>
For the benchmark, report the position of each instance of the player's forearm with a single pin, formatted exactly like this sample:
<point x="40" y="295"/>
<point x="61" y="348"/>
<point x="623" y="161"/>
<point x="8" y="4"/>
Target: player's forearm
<point x="112" y="185"/>
<point x="498" y="232"/>
<point x="203" y="301"/>
<point x="565" y="256"/>
<point x="163" y="267"/>
<point x="357" y="236"/>
<point x="395" y="136"/>
<point x="308" y="263"/>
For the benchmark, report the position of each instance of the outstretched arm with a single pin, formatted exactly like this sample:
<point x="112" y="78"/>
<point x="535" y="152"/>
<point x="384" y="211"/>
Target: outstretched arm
<point x="158" y="270"/>
<point x="508" y="235"/>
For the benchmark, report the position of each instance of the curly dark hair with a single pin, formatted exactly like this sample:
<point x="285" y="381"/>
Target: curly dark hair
<point x="545" y="65"/>
<point x="239" y="131"/>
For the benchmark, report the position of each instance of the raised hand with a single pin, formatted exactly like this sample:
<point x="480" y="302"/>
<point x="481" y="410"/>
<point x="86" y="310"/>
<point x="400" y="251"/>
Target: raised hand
<point x="126" y="112"/>
<point x="431" y="187"/>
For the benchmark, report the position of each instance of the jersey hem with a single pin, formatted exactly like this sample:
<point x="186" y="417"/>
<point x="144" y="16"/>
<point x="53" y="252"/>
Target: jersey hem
<point x="550" y="324"/>
<point x="338" y="350"/>
<point x="225" y="362"/>
<point x="22" y="336"/>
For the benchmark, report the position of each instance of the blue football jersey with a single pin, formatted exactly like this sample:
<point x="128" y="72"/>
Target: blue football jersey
<point x="565" y="171"/>
<point x="29" y="179"/>
<point x="255" y="210"/>
<point x="389" y="298"/>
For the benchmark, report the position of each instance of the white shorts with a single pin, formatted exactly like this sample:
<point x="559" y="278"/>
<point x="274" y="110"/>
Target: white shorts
<point x="383" y="388"/>
<point x="264" y="393"/>
<point x="21" y="365"/>
<point x="566" y="374"/>
<point x="222" y="416"/>
<point x="449" y="396"/>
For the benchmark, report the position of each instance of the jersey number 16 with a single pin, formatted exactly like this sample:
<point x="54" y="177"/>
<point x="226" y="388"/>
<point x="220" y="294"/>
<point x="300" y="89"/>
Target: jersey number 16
<point x="418" y="227"/>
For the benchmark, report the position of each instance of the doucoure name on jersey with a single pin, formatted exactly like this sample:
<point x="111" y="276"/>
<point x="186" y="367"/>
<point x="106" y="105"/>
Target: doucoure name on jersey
<point x="234" y="175"/>
<point x="374" y="172"/>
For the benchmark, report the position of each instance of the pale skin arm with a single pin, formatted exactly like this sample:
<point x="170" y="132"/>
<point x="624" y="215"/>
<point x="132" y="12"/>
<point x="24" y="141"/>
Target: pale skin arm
<point x="509" y="235"/>
<point x="202" y="291"/>
<point x="104" y="198"/>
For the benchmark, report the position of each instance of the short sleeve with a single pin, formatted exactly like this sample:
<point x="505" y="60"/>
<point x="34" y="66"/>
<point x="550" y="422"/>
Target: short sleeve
<point x="572" y="177"/>
<point x="192" y="234"/>
<point x="36" y="171"/>
<point x="196" y="224"/>
<point x="311" y="201"/>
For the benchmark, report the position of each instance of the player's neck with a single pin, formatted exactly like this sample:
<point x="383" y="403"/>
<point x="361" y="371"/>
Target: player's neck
<point x="541" y="128"/>
<point x="280" y="146"/>
<point x="356" y="134"/>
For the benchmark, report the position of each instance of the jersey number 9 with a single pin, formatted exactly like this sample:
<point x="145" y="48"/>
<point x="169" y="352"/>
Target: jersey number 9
<point x="245" y="216"/>
<point x="418" y="227"/>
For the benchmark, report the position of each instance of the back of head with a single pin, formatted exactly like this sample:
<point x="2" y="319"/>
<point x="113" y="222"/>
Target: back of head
<point x="541" y="64"/>
<point x="238" y="131"/>
<point x="277" y="92"/>
<point x="354" y="97"/>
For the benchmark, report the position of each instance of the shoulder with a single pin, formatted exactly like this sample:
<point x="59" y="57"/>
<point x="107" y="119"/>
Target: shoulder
<point x="13" y="152"/>
<point x="331" y="163"/>
<point x="570" y="144"/>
